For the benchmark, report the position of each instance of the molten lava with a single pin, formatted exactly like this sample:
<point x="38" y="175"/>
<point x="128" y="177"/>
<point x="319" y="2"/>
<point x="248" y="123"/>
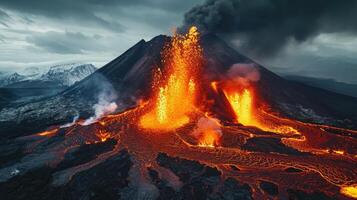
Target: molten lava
<point x="350" y="191"/>
<point x="208" y="132"/>
<point x="247" y="113"/>
<point x="242" y="106"/>
<point x="208" y="139"/>
<point x="175" y="96"/>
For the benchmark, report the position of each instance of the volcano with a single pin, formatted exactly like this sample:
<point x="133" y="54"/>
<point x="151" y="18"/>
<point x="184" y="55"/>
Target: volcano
<point x="182" y="117"/>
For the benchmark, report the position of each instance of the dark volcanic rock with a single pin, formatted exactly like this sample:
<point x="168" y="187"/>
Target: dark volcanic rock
<point x="301" y="195"/>
<point x="232" y="189"/>
<point x="293" y="170"/>
<point x="269" y="188"/>
<point x="85" y="153"/>
<point x="200" y="181"/>
<point x="100" y="182"/>
<point x="10" y="152"/>
<point x="267" y="144"/>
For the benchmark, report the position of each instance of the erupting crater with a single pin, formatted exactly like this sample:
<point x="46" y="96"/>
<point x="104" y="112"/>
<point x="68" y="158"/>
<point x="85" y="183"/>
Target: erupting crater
<point x="246" y="151"/>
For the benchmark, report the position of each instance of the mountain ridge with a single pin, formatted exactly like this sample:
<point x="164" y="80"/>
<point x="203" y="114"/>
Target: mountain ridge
<point x="59" y="75"/>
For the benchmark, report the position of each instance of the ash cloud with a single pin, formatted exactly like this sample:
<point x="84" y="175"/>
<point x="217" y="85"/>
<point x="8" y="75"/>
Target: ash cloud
<point x="265" y="26"/>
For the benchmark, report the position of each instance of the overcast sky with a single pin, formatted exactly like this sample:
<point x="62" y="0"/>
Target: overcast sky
<point x="44" y="33"/>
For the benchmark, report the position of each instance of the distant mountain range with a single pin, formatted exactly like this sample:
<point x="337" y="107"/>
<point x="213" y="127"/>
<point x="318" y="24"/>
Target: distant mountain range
<point x="327" y="84"/>
<point x="36" y="83"/>
<point x="54" y="76"/>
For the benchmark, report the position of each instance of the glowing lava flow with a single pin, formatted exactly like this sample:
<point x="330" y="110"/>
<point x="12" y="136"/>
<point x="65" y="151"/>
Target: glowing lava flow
<point x="176" y="96"/>
<point x="350" y="191"/>
<point x="247" y="114"/>
<point x="242" y="106"/>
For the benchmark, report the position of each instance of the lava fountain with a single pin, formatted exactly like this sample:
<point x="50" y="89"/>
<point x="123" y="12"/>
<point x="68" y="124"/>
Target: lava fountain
<point x="177" y="85"/>
<point x="248" y="113"/>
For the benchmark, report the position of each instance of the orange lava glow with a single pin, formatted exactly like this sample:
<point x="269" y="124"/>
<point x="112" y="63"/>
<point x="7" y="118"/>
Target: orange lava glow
<point x="214" y="86"/>
<point x="247" y="114"/>
<point x="103" y="135"/>
<point x="340" y="152"/>
<point x="182" y="59"/>
<point x="208" y="139"/>
<point x="48" y="133"/>
<point x="350" y="191"/>
<point x="242" y="106"/>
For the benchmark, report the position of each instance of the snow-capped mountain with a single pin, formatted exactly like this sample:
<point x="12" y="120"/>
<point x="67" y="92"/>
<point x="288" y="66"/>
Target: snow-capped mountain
<point x="67" y="75"/>
<point x="8" y="79"/>
<point x="59" y="75"/>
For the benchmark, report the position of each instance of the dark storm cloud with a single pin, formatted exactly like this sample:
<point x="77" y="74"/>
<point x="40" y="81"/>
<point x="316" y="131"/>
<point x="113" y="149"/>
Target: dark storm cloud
<point x="63" y="43"/>
<point x="265" y="26"/>
<point x="90" y="12"/>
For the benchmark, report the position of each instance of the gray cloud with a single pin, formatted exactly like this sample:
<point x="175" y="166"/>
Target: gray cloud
<point x="64" y="43"/>
<point x="266" y="26"/>
<point x="81" y="10"/>
<point x="4" y="17"/>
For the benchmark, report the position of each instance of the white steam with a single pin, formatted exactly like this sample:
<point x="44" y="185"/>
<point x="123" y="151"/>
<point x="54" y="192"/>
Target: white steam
<point x="75" y="118"/>
<point x="106" y="103"/>
<point x="207" y="124"/>
<point x="243" y="74"/>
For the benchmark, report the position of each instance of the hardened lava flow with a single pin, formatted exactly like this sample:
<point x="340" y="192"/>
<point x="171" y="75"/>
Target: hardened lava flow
<point x="297" y="155"/>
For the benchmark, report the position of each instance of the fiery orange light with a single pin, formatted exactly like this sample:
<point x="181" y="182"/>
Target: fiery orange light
<point x="214" y="85"/>
<point x="339" y="152"/>
<point x="247" y="114"/>
<point x="47" y="133"/>
<point x="208" y="139"/>
<point x="103" y="135"/>
<point x="350" y="191"/>
<point x="242" y="106"/>
<point x="176" y="97"/>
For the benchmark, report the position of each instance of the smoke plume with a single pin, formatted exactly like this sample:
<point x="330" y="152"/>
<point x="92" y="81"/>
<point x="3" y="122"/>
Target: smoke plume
<point x="106" y="102"/>
<point x="265" y="26"/>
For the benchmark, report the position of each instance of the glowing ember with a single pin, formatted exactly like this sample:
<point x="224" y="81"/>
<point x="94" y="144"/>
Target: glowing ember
<point x="176" y="97"/>
<point x="103" y="135"/>
<point x="339" y="152"/>
<point x="48" y="133"/>
<point x="214" y="86"/>
<point x="350" y="191"/>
